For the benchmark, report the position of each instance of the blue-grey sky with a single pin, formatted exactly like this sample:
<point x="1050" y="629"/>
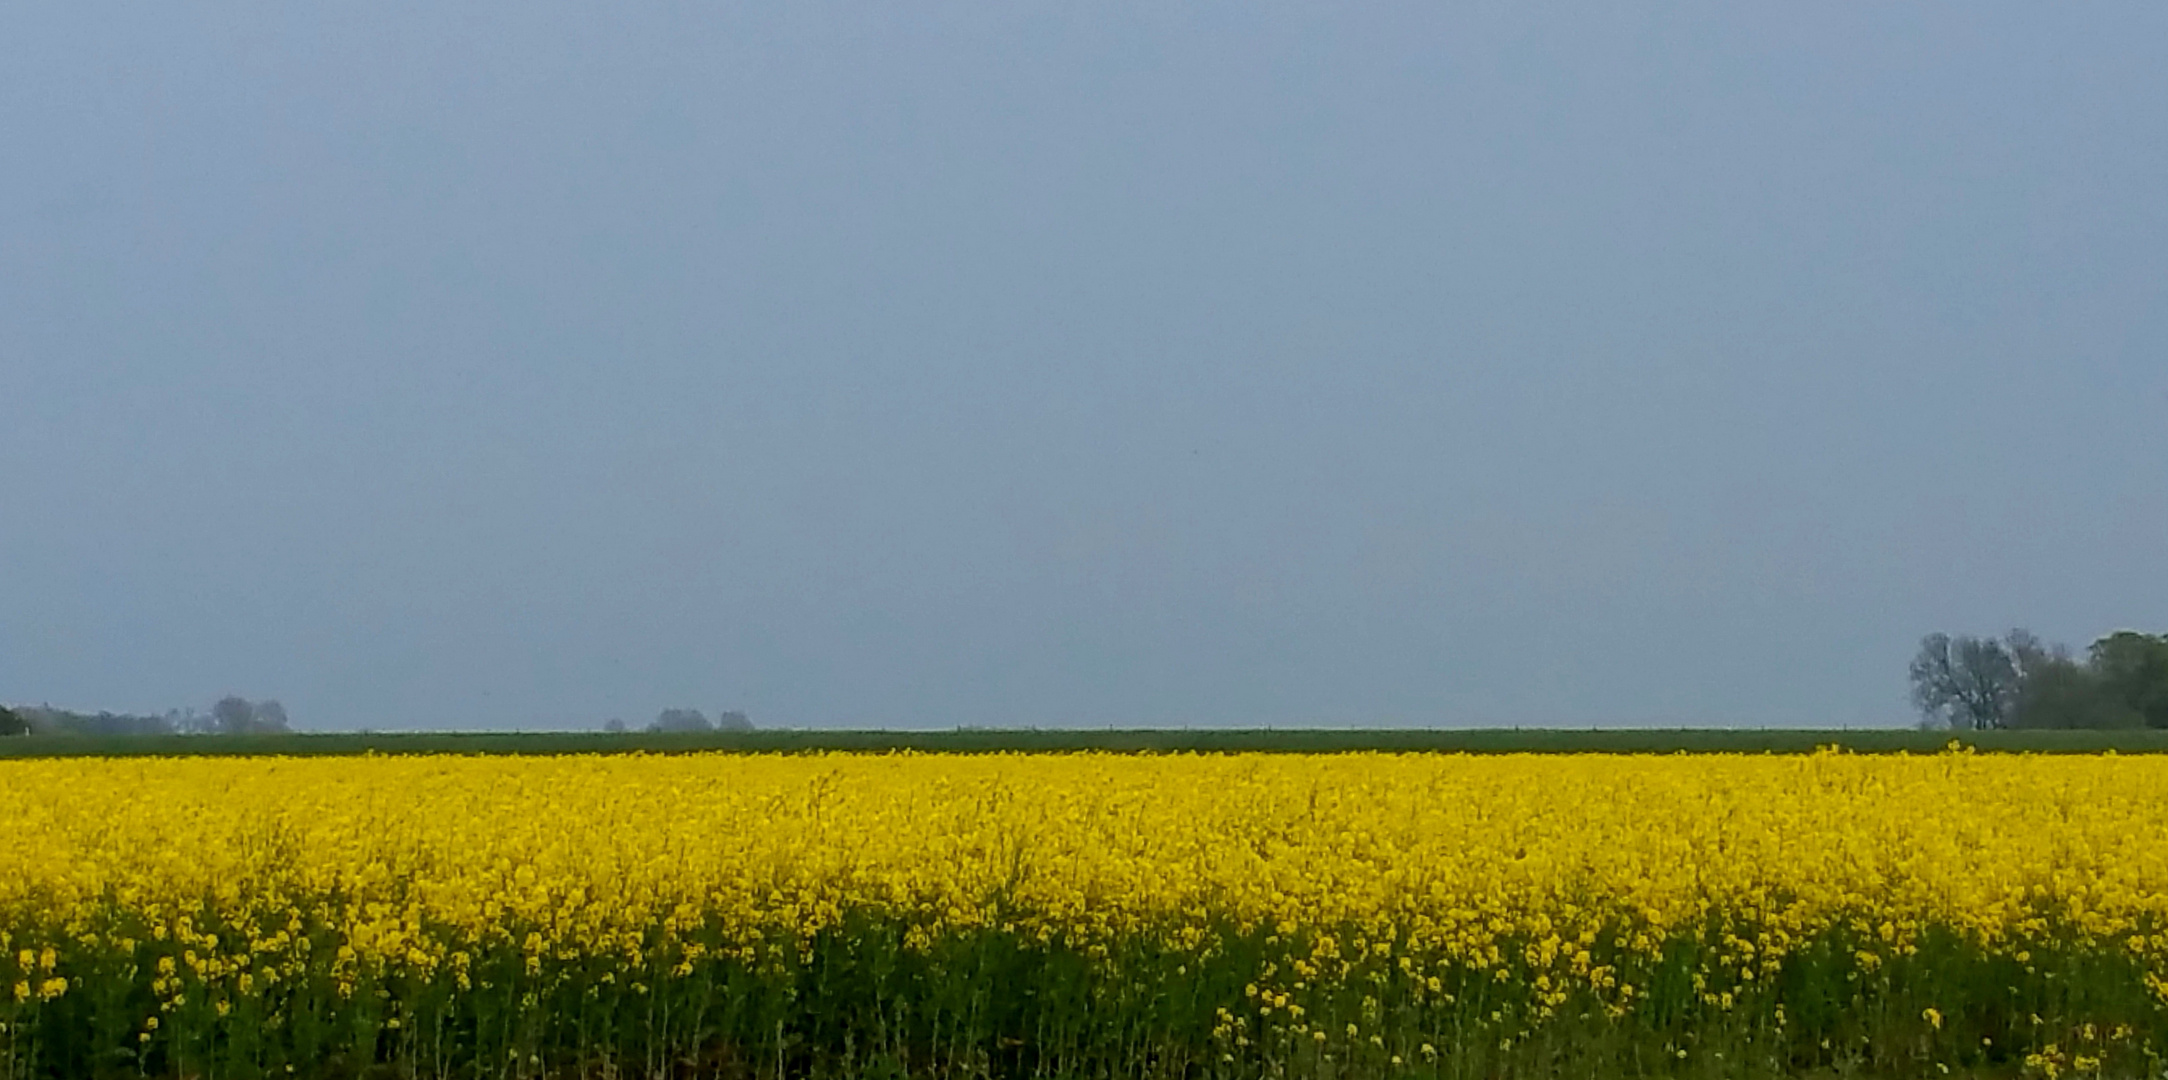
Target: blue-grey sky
<point x="497" y="364"/>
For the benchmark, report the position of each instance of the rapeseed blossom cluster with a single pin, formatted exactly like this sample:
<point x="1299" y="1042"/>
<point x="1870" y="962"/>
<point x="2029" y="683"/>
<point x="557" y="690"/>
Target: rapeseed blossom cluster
<point x="1013" y="914"/>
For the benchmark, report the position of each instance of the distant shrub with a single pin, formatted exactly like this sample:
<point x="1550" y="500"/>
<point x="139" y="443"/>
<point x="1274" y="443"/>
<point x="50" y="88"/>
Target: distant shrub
<point x="681" y="721"/>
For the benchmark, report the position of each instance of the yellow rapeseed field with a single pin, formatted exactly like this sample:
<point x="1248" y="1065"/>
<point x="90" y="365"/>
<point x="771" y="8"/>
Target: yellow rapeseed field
<point x="1344" y="907"/>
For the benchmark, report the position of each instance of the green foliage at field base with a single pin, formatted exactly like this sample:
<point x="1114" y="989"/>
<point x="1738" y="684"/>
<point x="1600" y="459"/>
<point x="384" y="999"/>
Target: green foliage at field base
<point x="856" y="1001"/>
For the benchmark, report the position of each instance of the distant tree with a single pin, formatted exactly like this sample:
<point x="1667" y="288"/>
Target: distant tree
<point x="2028" y="652"/>
<point x="11" y="723"/>
<point x="681" y="720"/>
<point x="2134" y="668"/>
<point x="2056" y="691"/>
<point x="614" y="726"/>
<point x="733" y="720"/>
<point x="237" y="715"/>
<point x="1967" y="682"/>
<point x="271" y="718"/>
<point x="233" y="715"/>
<point x="40" y="719"/>
<point x="46" y="720"/>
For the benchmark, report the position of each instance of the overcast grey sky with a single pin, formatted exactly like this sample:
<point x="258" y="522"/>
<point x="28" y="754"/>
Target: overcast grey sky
<point x="498" y="364"/>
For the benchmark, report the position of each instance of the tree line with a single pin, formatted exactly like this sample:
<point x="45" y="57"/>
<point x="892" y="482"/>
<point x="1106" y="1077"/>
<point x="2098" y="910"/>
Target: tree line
<point x="1962" y="682"/>
<point x="686" y="720"/>
<point x="236" y="715"/>
<point x="2019" y="681"/>
<point x="230" y="715"/>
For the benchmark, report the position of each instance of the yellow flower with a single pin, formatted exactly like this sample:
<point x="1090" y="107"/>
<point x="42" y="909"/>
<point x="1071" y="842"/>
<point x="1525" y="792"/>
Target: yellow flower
<point x="1557" y="881"/>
